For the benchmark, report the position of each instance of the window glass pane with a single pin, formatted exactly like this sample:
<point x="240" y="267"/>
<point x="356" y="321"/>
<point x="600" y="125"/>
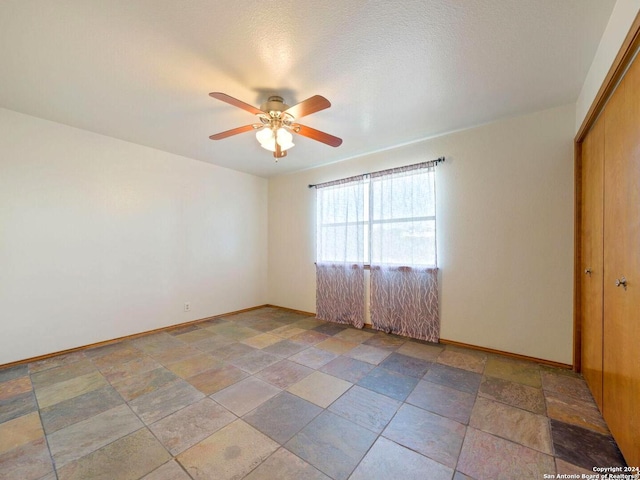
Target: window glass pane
<point x="340" y="223"/>
<point x="404" y="243"/>
<point x="405" y="195"/>
<point x="403" y="218"/>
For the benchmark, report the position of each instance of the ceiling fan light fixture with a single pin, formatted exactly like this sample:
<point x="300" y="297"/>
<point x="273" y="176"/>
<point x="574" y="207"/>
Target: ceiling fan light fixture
<point x="264" y="135"/>
<point x="284" y="139"/>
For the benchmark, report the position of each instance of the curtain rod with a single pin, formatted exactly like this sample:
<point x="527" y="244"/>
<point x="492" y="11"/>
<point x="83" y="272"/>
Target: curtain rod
<point x="435" y="162"/>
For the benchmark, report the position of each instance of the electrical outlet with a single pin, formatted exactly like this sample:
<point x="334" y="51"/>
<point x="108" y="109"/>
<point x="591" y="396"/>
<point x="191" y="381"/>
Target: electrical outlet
<point x="187" y="306"/>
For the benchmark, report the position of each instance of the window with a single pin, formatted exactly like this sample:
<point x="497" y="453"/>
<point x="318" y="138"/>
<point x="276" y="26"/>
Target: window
<point x="386" y="218"/>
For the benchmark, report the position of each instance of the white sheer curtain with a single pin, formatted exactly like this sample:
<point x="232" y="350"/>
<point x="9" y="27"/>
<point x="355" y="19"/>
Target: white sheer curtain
<point x="404" y="286"/>
<point x="340" y="230"/>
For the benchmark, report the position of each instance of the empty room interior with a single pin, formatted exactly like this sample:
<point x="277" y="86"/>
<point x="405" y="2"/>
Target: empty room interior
<point x="319" y="240"/>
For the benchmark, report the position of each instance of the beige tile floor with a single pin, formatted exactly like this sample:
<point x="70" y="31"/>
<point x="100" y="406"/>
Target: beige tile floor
<point x="271" y="394"/>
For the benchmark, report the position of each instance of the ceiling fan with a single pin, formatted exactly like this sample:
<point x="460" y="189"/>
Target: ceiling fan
<point x="277" y="121"/>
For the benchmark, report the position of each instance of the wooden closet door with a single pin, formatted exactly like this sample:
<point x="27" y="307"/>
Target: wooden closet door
<point x="622" y="258"/>
<point x="592" y="257"/>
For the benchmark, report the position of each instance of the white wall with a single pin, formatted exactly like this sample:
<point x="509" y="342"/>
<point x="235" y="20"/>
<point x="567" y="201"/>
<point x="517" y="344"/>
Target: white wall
<point x="101" y="238"/>
<point x="505" y="231"/>
<point x="623" y="14"/>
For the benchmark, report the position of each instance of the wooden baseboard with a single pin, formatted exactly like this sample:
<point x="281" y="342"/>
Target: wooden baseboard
<point x="127" y="337"/>
<point x="507" y="354"/>
<point x="293" y="310"/>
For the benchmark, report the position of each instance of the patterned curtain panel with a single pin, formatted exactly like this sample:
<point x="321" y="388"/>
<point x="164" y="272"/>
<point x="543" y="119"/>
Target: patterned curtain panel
<point x="340" y="243"/>
<point x="404" y="300"/>
<point x="340" y="293"/>
<point x="404" y="282"/>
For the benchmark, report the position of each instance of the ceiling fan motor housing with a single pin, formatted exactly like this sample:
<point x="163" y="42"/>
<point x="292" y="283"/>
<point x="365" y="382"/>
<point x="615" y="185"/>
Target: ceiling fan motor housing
<point x="274" y="104"/>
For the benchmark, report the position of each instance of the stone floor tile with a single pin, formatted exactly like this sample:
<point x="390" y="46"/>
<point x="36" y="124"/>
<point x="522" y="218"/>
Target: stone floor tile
<point x="261" y="341"/>
<point x="175" y="354"/>
<point x="79" y="408"/>
<point x="354" y="335"/>
<point x="330" y="328"/>
<point x="386" y="382"/>
<point x="369" y="354"/>
<point x="236" y="332"/>
<point x="30" y="461"/>
<point x="244" y="396"/>
<point x="232" y="351"/>
<point x="406" y="365"/>
<point x="576" y="412"/>
<point x="284" y="373"/>
<point x="464" y="360"/>
<point x="230" y="453"/>
<point x="565" y="468"/>
<point x="309" y="337"/>
<point x="584" y="448"/>
<point x="12" y="388"/>
<point x="56" y="361"/>
<point x="128" y="458"/>
<point x="313" y="357"/>
<point x="428" y="352"/>
<point x="267" y="325"/>
<point x="193" y="365"/>
<point x="285" y="348"/>
<point x="366" y="408"/>
<point x="55" y="375"/>
<point x="282" y="416"/>
<point x="71" y="388"/>
<point x="336" y="345"/>
<point x="567" y="385"/>
<point x="527" y="373"/>
<point x="512" y="423"/>
<point x="167" y="399"/>
<point x="320" y="388"/>
<point x="169" y="471"/>
<point x="308" y="323"/>
<point x="137" y="385"/>
<point x="487" y="457"/>
<point x="126" y="370"/>
<point x="14" y="372"/>
<point x="188" y="426"/>
<point x="445" y="401"/>
<point x="461" y="476"/>
<point x="214" y="380"/>
<point x="386" y="341"/>
<point x="255" y="361"/>
<point x="514" y="394"/>
<point x="437" y="437"/>
<point x="332" y="444"/>
<point x="347" y="368"/>
<point x="16" y="406"/>
<point x="157" y="343"/>
<point x="287" y="331"/>
<point x="457" y="378"/>
<point x="121" y="355"/>
<point x="387" y="460"/>
<point x="77" y="440"/>
<point x="284" y="465"/>
<point x="195" y="335"/>
<point x="212" y="344"/>
<point x="20" y="431"/>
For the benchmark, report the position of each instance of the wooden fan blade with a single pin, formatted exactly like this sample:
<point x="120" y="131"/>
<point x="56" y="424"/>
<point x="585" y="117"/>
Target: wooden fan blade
<point x="233" y="131"/>
<point x="308" y="106"/>
<point x="316" y="135"/>
<point x="235" y="102"/>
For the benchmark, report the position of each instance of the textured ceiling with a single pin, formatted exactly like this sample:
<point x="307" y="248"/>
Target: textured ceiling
<point x="395" y="72"/>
